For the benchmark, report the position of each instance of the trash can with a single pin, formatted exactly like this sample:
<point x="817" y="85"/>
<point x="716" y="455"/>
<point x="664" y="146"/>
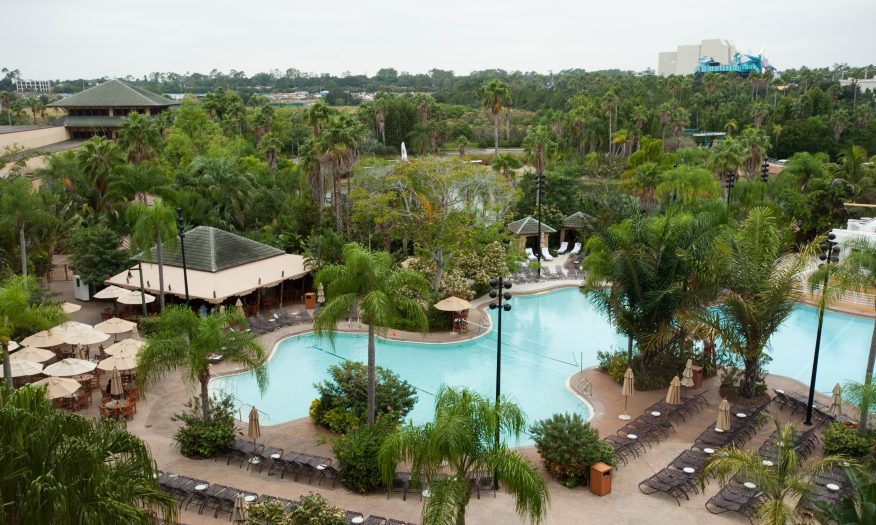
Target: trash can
<point x="697" y="376"/>
<point x="600" y="479"/>
<point x="310" y="300"/>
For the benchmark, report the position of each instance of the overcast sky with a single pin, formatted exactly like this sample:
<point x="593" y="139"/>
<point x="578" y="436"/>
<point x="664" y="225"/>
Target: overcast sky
<point x="92" y="38"/>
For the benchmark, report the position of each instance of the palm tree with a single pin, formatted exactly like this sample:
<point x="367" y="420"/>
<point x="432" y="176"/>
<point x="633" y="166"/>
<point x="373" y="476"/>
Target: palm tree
<point x="665" y="111"/>
<point x="367" y="281"/>
<point x="686" y="184"/>
<point x="139" y="137"/>
<point x="318" y="115"/>
<point x="6" y="100"/>
<point x="862" y="396"/>
<point x="338" y="151"/>
<point x="759" y="112"/>
<point x="270" y="146"/>
<point x="180" y="339"/>
<point x="730" y="127"/>
<point x="839" y="119"/>
<point x="461" y="143"/>
<point x="539" y="147"/>
<point x="381" y="105"/>
<point x="755" y="144"/>
<point x="505" y="164"/>
<point x="785" y="484"/>
<point x="57" y="467"/>
<point x="853" y="169"/>
<point x="725" y="156"/>
<point x="494" y="96"/>
<point x="609" y="105"/>
<point x="99" y="159"/>
<point x="462" y="438"/>
<point x="20" y="317"/>
<point x="776" y="130"/>
<point x="644" y="180"/>
<point x="640" y="117"/>
<point x="153" y="225"/>
<point x="20" y="208"/>
<point x="139" y="181"/>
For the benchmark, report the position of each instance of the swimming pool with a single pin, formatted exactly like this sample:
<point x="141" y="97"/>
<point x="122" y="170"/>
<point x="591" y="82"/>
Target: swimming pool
<point x="545" y="338"/>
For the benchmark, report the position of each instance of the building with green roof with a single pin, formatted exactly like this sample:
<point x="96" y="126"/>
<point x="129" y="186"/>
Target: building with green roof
<point x="99" y="110"/>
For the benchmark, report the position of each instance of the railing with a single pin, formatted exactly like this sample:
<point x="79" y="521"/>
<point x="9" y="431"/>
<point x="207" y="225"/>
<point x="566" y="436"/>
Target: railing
<point x="583" y="386"/>
<point x="859" y="299"/>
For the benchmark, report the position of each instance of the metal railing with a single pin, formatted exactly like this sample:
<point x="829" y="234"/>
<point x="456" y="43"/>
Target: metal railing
<point x="584" y="387"/>
<point x="851" y="297"/>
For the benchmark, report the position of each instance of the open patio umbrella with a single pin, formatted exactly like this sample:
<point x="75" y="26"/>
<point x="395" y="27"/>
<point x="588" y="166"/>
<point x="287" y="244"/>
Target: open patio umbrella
<point x="255" y="430"/>
<point x="122" y="362"/>
<point x="32" y="353"/>
<point x="22" y="367"/>
<point x="69" y="308"/>
<point x="723" y="416"/>
<point x="836" y="402"/>
<point x="628" y="389"/>
<point x="320" y="294"/>
<point x="86" y="337"/>
<point x="115" y="326"/>
<point x="110" y="292"/>
<point x="12" y="346"/>
<point x="239" y="516"/>
<point x="69" y="367"/>
<point x="452" y="304"/>
<point x="116" y="388"/>
<point x="70" y="326"/>
<point x="44" y="339"/>
<point x="687" y="375"/>
<point x="125" y="347"/>
<point x="133" y="297"/>
<point x="673" y="395"/>
<point x="58" y="386"/>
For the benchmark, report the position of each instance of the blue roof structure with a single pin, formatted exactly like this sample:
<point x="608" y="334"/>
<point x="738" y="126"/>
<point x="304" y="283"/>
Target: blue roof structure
<point x="740" y="63"/>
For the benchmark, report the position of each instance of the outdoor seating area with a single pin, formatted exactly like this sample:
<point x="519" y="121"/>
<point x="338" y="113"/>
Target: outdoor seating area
<point x="260" y="324"/>
<point x="403" y="483"/>
<point x="821" y="413"/>
<point x="296" y="464"/>
<point x="548" y="273"/>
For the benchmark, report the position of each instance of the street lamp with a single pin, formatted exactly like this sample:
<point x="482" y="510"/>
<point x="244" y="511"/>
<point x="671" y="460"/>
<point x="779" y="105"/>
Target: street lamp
<point x="498" y="285"/>
<point x="539" y="187"/>
<point x="829" y="254"/>
<point x="139" y="269"/>
<point x="182" y="247"/>
<point x="729" y="181"/>
<point x="764" y="177"/>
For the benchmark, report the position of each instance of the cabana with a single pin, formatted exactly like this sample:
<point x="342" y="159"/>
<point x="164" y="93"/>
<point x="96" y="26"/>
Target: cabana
<point x="526" y="230"/>
<point x="572" y="225"/>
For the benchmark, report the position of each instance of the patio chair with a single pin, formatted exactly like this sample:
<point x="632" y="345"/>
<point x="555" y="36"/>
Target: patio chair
<point x="546" y="254"/>
<point x="401" y="483"/>
<point x="483" y="480"/>
<point x="286" y="464"/>
<point x="529" y="255"/>
<point x="564" y="246"/>
<point x="667" y="482"/>
<point x="391" y="521"/>
<point x="349" y="515"/>
<point x="264" y="456"/>
<point x="576" y="249"/>
<point x="374" y="520"/>
<point x="330" y="472"/>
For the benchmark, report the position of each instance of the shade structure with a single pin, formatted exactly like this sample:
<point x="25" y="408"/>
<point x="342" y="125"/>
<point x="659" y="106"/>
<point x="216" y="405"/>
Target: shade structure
<point x="22" y="367"/>
<point x="134" y="297"/>
<point x="69" y="308"/>
<point x="836" y="402"/>
<point x="452" y="304"/>
<point x="122" y="362"/>
<point x="687" y="375"/>
<point x="44" y="339"/>
<point x="673" y="394"/>
<point x="116" y="388"/>
<point x="58" y="386"/>
<point x="128" y="347"/>
<point x="110" y="292"/>
<point x="70" y="326"/>
<point x="12" y="346"/>
<point x="32" y="353"/>
<point x="320" y="294"/>
<point x="723" y="422"/>
<point x="85" y="337"/>
<point x="627" y="391"/>
<point x="69" y="367"/>
<point x="115" y="326"/>
<point x="255" y="430"/>
<point x="239" y="516"/>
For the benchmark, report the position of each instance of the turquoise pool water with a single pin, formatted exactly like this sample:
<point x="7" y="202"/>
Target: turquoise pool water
<point x="544" y="339"/>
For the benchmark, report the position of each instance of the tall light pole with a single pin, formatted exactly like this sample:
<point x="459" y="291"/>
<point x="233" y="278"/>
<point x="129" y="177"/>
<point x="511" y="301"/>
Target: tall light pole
<point x="139" y="270"/>
<point x="498" y="286"/>
<point x="182" y="248"/>
<point x="764" y="177"/>
<point x="729" y="181"/>
<point x="829" y="254"/>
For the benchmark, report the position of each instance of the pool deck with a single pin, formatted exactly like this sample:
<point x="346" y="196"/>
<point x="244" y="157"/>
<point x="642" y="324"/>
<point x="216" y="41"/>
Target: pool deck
<point x="625" y="505"/>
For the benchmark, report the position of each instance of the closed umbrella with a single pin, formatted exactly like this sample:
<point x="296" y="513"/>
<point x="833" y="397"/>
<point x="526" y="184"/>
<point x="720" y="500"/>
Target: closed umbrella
<point x="254" y="430"/>
<point x="22" y="367"/>
<point x="85" y="336"/>
<point x="239" y="305"/>
<point x="673" y="395"/>
<point x="44" y="339"/>
<point x="836" y="402"/>
<point x="122" y="362"/>
<point x="320" y="294"/>
<point x="239" y="516"/>
<point x="627" y="391"/>
<point x="115" y="326"/>
<point x="58" y="386"/>
<point x="723" y="416"/>
<point x="133" y="297"/>
<point x="110" y="292"/>
<point x="125" y="347"/>
<point x="69" y="308"/>
<point x="69" y="367"/>
<point x="116" y="388"/>
<point x="687" y="375"/>
<point x="32" y="353"/>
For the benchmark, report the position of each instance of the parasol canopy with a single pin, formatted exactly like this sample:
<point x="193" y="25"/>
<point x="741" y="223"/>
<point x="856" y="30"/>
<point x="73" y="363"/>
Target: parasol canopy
<point x="32" y="353"/>
<point x="687" y="375"/>
<point x="70" y="326"/>
<point x="85" y="337"/>
<point x="69" y="367"/>
<point x="69" y="308"/>
<point x="115" y="326"/>
<point x="58" y="386"/>
<point x="122" y="362"/>
<point x="44" y="339"/>
<point x="110" y="292"/>
<point x="673" y="395"/>
<point x="452" y="304"/>
<point x="133" y="297"/>
<point x="22" y="367"/>
<point x="128" y="347"/>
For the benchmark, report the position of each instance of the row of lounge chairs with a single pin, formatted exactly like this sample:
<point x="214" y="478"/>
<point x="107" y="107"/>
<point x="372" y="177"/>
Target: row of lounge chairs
<point x="260" y="325"/>
<point x="546" y="254"/>
<point x="821" y="413"/>
<point x="403" y="482"/>
<point x="297" y="464"/>
<point x="528" y="275"/>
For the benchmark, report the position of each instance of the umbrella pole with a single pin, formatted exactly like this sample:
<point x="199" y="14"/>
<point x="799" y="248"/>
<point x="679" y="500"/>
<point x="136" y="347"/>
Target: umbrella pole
<point x="281" y="293"/>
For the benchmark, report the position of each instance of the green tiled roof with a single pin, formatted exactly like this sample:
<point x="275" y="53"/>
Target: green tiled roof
<point x="113" y="93"/>
<point x="211" y="250"/>
<point x="576" y="220"/>
<point x="93" y="122"/>
<point x="529" y="226"/>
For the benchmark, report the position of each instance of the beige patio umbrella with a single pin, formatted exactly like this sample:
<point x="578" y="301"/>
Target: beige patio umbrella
<point x="239" y="305"/>
<point x="836" y="402"/>
<point x="69" y="367"/>
<point x="116" y="388"/>
<point x="133" y="297"/>
<point x="628" y="389"/>
<point x="12" y="346"/>
<point x="723" y="416"/>
<point x="44" y="339"/>
<point x="115" y="326"/>
<point x="452" y="304"/>
<point x="239" y="516"/>
<point x="32" y="353"/>
<point x="673" y="395"/>
<point x="85" y="337"/>
<point x="687" y="375"/>
<point x="255" y="430"/>
<point x="22" y="367"/>
<point x="320" y="294"/>
<point x="110" y="292"/>
<point x="128" y="347"/>
<point x="69" y="308"/>
<point x="70" y="326"/>
<point x="122" y="362"/>
<point x="58" y="386"/>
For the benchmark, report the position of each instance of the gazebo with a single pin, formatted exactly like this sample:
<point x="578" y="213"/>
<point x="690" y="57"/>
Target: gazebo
<point x="221" y="266"/>
<point x="572" y="224"/>
<point x="528" y="227"/>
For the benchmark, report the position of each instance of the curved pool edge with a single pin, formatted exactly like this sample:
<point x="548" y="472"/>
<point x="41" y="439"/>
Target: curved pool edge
<point x="591" y="410"/>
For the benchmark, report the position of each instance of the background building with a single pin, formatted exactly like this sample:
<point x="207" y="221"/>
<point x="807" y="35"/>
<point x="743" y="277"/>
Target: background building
<point x="685" y="59"/>
<point x="33" y="86"/>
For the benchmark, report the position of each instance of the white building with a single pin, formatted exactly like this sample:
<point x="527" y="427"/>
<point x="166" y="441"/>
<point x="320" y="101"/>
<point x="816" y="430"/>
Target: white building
<point x="685" y="59"/>
<point x="33" y="86"/>
<point x="863" y="229"/>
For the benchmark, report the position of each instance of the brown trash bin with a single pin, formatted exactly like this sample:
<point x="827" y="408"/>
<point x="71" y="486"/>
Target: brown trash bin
<point x="697" y="376"/>
<point x="310" y="300"/>
<point x="600" y="479"/>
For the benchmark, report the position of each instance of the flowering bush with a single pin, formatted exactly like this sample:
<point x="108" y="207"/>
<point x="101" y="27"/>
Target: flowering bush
<point x="569" y="446"/>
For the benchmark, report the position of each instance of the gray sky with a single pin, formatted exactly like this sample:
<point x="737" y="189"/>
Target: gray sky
<point x="92" y="38"/>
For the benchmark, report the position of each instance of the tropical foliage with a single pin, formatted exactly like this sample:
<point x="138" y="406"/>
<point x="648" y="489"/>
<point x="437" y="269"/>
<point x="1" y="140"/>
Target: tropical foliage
<point x="569" y="446"/>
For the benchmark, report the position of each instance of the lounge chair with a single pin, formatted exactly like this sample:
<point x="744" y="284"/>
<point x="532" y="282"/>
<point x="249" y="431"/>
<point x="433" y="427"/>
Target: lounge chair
<point x="564" y="246"/>
<point x="576" y="249"/>
<point x="558" y="271"/>
<point x="546" y="254"/>
<point x="531" y="256"/>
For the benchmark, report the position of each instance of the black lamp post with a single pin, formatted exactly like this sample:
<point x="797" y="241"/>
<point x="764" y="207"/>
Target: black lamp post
<point x="139" y="269"/>
<point x="729" y="182"/>
<point x="539" y="187"/>
<point x="182" y="247"/>
<point x="498" y="285"/>
<point x="764" y="177"/>
<point x="829" y="254"/>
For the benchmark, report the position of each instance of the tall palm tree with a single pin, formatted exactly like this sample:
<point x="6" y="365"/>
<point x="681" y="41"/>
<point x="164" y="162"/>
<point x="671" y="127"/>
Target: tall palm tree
<point x="338" y="150"/>
<point x="99" y="159"/>
<point x="640" y="117"/>
<point x="367" y="280"/>
<point x="270" y="146"/>
<point x="725" y="156"/>
<point x="784" y="485"/>
<point x="57" y="467"/>
<point x="755" y="143"/>
<point x="853" y="169"/>
<point x="21" y="208"/>
<point x="462" y="438"/>
<point x="494" y="96"/>
<point x="505" y="164"/>
<point x="539" y="147"/>
<point x="139" y="137"/>
<point x="776" y="131"/>
<point x="839" y="119"/>
<point x="644" y="180"/>
<point x="461" y="143"/>
<point x="140" y="181"/>
<point x="730" y="127"/>
<point x="180" y="339"/>
<point x="759" y="112"/>
<point x="20" y="316"/>
<point x="153" y="225"/>
<point x="382" y="102"/>
<point x="318" y="115"/>
<point x="665" y="112"/>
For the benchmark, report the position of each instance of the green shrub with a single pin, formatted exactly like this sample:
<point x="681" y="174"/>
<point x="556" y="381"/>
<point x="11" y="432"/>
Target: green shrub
<point x="569" y="446"/>
<point x="199" y="439"/>
<point x="312" y="509"/>
<point x="357" y="454"/>
<point x="341" y="420"/>
<point x="842" y="440"/>
<point x="653" y="371"/>
<point x="613" y="363"/>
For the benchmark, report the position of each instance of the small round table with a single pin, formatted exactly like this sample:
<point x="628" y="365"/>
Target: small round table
<point x="632" y="436"/>
<point x="249" y="499"/>
<point x="200" y="487"/>
<point x="357" y="519"/>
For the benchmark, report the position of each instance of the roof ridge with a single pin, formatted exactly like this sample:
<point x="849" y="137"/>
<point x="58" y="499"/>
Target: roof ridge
<point x="212" y="252"/>
<point x="131" y="88"/>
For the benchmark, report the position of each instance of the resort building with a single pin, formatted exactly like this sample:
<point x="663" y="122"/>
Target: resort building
<point x="709" y="56"/>
<point x="526" y="230"/>
<point x="863" y="229"/>
<point x="99" y="110"/>
<point x="33" y="86"/>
